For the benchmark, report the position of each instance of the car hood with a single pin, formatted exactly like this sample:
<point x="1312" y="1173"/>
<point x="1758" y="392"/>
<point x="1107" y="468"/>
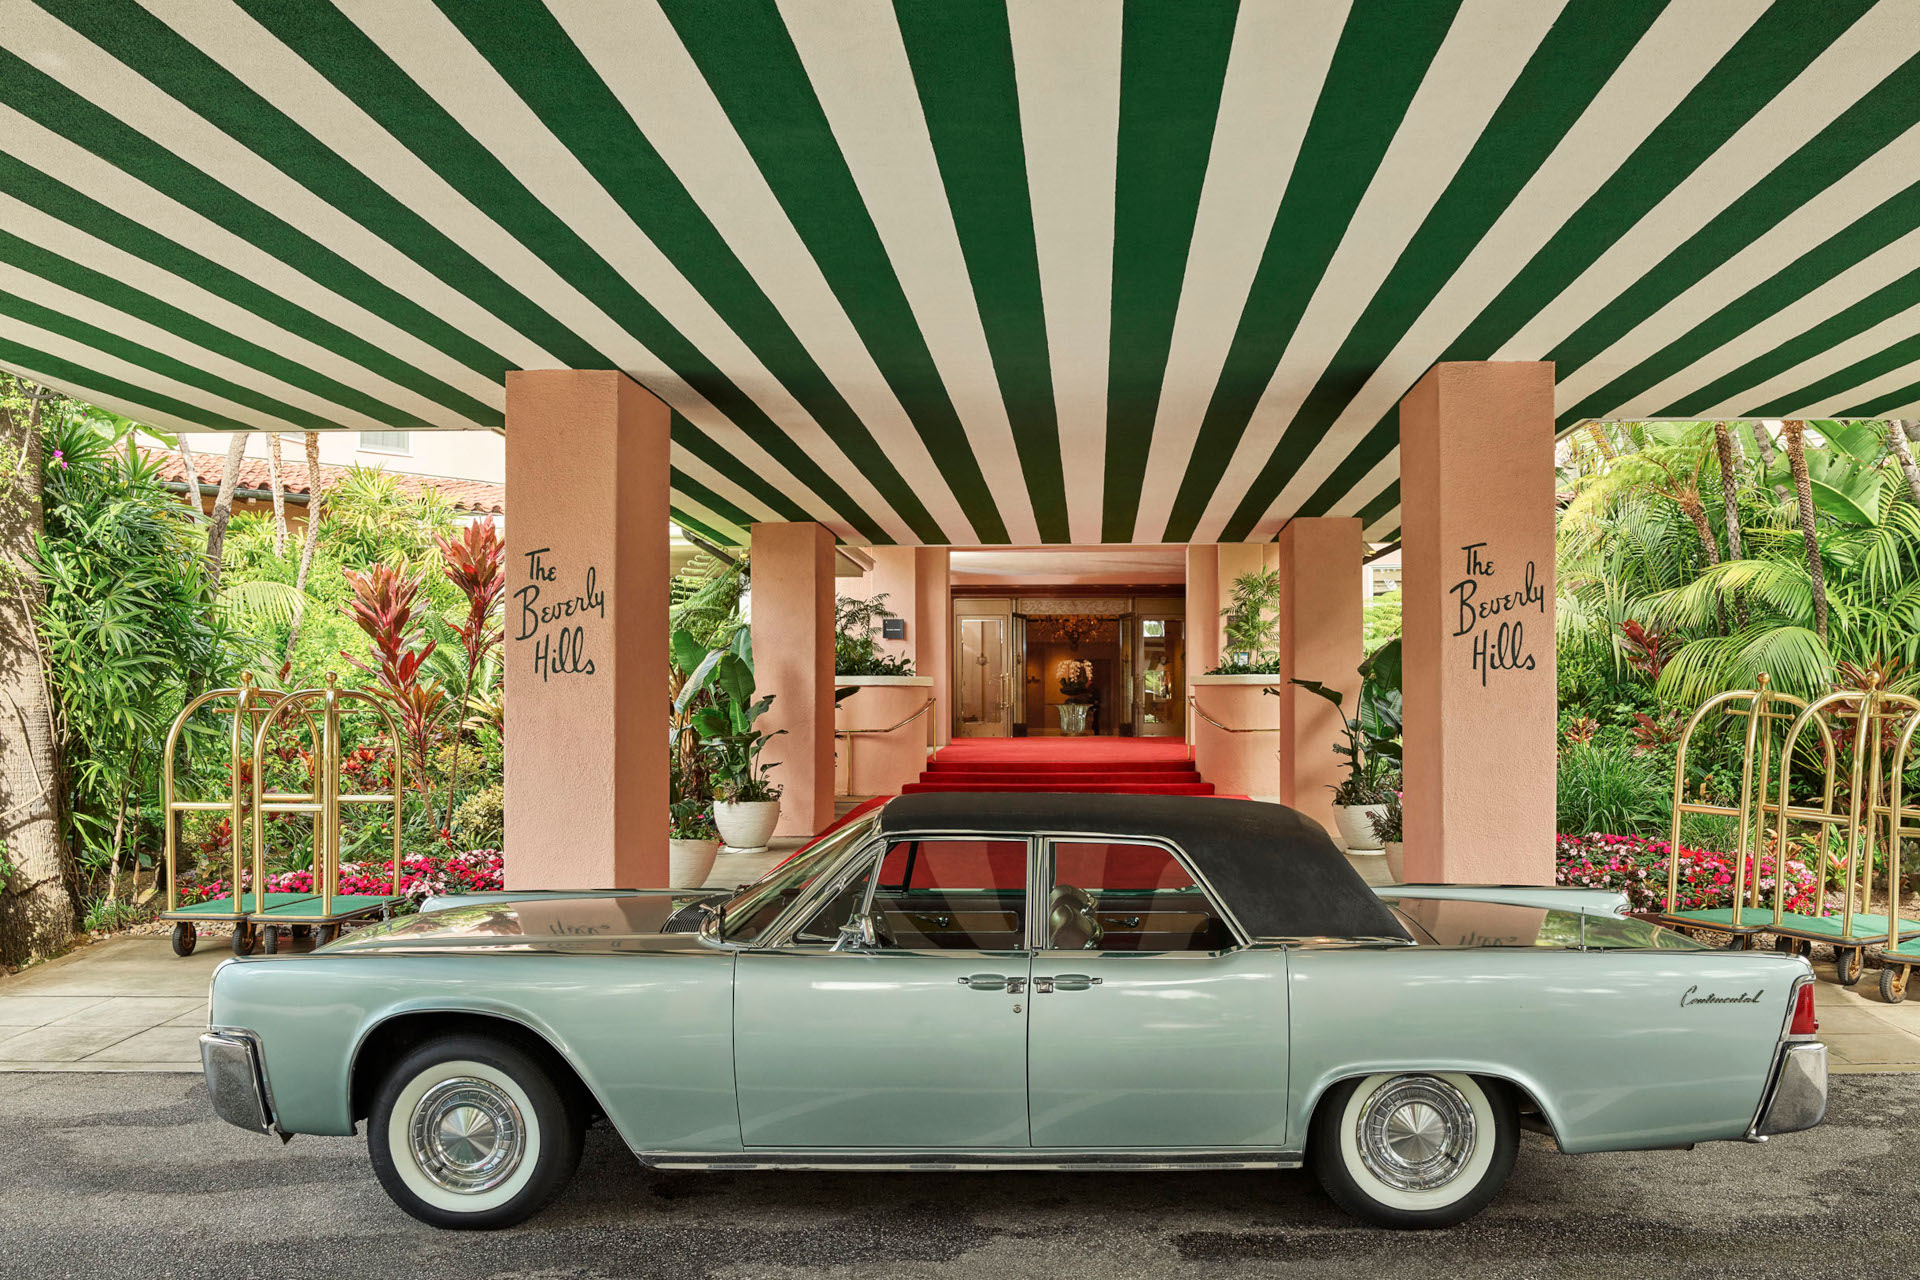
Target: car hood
<point x="540" y="921"/>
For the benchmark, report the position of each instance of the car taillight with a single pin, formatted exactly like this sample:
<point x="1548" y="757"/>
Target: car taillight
<point x="1804" y="1023"/>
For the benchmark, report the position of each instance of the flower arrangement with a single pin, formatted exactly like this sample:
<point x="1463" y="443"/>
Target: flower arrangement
<point x="421" y="876"/>
<point x="1638" y="866"/>
<point x="1076" y="679"/>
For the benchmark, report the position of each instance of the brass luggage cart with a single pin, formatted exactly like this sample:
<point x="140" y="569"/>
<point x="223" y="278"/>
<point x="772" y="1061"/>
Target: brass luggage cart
<point x="1762" y="709"/>
<point x="324" y="909"/>
<point x="249" y="705"/>
<point x="1858" y="822"/>
<point x="1898" y="956"/>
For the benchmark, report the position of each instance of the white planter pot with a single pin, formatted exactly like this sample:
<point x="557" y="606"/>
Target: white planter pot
<point x="690" y="862"/>
<point x="746" y="825"/>
<point x="1356" y="829"/>
<point x="1397" y="861"/>
<point x="1073" y="717"/>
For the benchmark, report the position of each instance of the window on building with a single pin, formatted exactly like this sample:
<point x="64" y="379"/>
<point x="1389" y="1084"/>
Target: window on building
<point x="387" y="441"/>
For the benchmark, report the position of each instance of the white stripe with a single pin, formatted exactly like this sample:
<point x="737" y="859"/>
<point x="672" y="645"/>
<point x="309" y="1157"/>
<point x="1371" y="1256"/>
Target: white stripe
<point x="638" y="55"/>
<point x="857" y="63"/>
<point x="1876" y="179"/>
<point x="137" y="103"/>
<point x="81" y="169"/>
<point x="1870" y="50"/>
<point x="1674" y="55"/>
<point x="425" y="44"/>
<point x="78" y="246"/>
<point x="140" y="413"/>
<point x="1483" y="54"/>
<point x="718" y="523"/>
<point x="1066" y="63"/>
<point x="66" y="302"/>
<point x="1370" y="486"/>
<point x="100" y="362"/>
<point x="1383" y="526"/>
<point x="694" y="468"/>
<point x="1275" y="72"/>
<point x="1835" y="295"/>
<point x="1893" y="329"/>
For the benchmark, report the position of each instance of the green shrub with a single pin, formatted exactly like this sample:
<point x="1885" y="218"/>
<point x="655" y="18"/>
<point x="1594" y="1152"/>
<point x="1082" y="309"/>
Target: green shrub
<point x="480" y="821"/>
<point x="1610" y="788"/>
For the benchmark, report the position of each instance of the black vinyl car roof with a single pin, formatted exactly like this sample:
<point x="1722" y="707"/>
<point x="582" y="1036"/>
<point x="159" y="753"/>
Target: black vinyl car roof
<point x="1273" y="867"/>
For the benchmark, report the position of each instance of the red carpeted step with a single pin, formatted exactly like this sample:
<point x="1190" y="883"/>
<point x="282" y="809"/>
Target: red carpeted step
<point x="1103" y="788"/>
<point x="1117" y="777"/>
<point x="1057" y="766"/>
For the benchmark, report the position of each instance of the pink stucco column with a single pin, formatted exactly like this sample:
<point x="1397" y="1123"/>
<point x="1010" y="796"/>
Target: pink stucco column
<point x="586" y="631"/>
<point x="933" y="619"/>
<point x="1203" y="620"/>
<point x="1477" y="507"/>
<point x="1321" y="638"/>
<point x="793" y="588"/>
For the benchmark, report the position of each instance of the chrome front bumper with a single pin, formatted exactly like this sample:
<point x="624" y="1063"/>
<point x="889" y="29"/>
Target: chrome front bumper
<point x="234" y="1080"/>
<point x="1798" y="1097"/>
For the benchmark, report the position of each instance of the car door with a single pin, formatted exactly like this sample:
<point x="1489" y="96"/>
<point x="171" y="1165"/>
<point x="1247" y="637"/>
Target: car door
<point x="1152" y="1025"/>
<point x="918" y="1042"/>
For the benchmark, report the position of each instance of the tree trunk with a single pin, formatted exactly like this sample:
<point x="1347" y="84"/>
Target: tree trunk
<point x="1794" y="434"/>
<point x="36" y="911"/>
<point x="1696" y="512"/>
<point x="1900" y="439"/>
<point x="313" y="531"/>
<point x="1763" y="442"/>
<point x="1729" y="450"/>
<point x="279" y="495"/>
<point x="193" y="472"/>
<point x="223" y="508"/>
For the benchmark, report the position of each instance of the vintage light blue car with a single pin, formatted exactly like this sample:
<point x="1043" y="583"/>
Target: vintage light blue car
<point x="1020" y="981"/>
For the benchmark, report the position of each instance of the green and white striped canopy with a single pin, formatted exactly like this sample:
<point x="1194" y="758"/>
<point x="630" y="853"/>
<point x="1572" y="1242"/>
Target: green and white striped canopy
<point x="956" y="271"/>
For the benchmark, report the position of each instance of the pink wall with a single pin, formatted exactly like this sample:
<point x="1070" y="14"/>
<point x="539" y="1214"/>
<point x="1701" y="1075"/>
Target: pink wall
<point x="880" y="764"/>
<point x="1237" y="764"/>
<point x="1477" y="507"/>
<point x="1321" y="638"/>
<point x="793" y="590"/>
<point x="933" y="620"/>
<point x="586" y="627"/>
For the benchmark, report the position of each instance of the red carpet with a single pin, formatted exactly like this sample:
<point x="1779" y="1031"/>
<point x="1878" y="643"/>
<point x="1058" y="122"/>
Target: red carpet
<point x="1134" y="766"/>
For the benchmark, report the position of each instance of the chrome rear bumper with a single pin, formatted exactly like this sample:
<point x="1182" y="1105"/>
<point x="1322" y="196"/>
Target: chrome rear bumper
<point x="232" y="1064"/>
<point x="1797" y="1098"/>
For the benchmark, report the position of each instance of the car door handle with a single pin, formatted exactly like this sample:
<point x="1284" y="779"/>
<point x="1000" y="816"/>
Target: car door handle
<point x="990" y="982"/>
<point x="1065" y="982"/>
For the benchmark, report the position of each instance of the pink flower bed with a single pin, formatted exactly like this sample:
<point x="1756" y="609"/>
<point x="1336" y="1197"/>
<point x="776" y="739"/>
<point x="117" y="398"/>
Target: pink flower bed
<point x="1639" y="866"/>
<point x="421" y="876"/>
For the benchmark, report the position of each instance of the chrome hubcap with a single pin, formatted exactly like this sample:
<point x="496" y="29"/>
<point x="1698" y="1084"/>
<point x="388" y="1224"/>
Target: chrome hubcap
<point x="468" y="1135"/>
<point x="1416" y="1133"/>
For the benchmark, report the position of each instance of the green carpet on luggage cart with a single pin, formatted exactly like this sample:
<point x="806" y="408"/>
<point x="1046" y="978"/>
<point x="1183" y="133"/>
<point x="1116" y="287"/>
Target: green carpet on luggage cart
<point x="224" y="908"/>
<point x="1867" y="925"/>
<point x="303" y="908"/>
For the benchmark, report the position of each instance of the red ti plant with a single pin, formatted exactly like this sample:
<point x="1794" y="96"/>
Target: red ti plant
<point x="383" y="608"/>
<point x="1648" y="650"/>
<point x="473" y="561"/>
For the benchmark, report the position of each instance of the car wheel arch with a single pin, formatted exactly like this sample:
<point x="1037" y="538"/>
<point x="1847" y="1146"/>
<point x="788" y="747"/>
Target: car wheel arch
<point x="1528" y="1098"/>
<point x="386" y="1041"/>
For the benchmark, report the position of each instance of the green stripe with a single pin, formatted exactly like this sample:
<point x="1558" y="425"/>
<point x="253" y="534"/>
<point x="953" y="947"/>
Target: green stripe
<point x="962" y="60"/>
<point x="693" y="490"/>
<point x="1172" y="70"/>
<point x="691" y="525"/>
<point x="129" y="301"/>
<point x="1387" y="501"/>
<point x="166" y="366"/>
<point x="754" y="70"/>
<point x="82" y="212"/>
<point x="1877" y="119"/>
<point x="1382" y="55"/>
<point x="1906" y="397"/>
<point x="44" y="363"/>
<point x="709" y="451"/>
<point x="1574" y="61"/>
<point x="1775" y="50"/>
<point x="178" y="67"/>
<point x="1884" y="302"/>
<point x="1901" y="353"/>
<point x="340" y="51"/>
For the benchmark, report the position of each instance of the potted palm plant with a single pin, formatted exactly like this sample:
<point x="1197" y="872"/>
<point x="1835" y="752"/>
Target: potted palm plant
<point x="1251" y="627"/>
<point x="1388" y="828"/>
<point x="1371" y="748"/>
<point x="714" y="733"/>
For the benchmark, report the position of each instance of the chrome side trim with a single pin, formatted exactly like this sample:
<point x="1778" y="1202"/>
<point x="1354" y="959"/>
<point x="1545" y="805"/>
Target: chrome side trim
<point x="235" y="1082"/>
<point x="886" y="1160"/>
<point x="1797" y="1094"/>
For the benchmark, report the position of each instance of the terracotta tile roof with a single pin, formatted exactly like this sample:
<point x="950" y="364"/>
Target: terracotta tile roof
<point x="467" y="495"/>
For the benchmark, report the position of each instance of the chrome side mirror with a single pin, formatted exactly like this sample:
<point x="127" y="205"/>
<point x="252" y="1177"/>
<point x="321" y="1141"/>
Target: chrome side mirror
<point x="863" y="931"/>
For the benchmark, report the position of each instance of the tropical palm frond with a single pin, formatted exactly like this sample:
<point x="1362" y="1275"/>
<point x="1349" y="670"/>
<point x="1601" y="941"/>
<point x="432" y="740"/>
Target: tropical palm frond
<point x="262" y="600"/>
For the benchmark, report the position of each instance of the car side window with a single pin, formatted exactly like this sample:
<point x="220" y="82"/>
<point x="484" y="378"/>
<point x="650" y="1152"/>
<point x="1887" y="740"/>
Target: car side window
<point x="1119" y="896"/>
<point x="952" y="895"/>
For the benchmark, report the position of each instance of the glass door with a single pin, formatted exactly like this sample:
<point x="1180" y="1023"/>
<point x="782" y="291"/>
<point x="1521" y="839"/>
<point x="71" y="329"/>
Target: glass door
<point x="983" y="675"/>
<point x="1160" y="677"/>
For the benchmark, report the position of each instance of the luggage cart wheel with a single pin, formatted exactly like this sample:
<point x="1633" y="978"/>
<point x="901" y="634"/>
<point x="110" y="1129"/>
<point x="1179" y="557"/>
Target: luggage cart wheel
<point x="242" y="938"/>
<point x="1804" y="949"/>
<point x="184" y="936"/>
<point x="1787" y="945"/>
<point x="325" y="933"/>
<point x="1847" y="961"/>
<point x="270" y="939"/>
<point x="1740" y="942"/>
<point x="1893" y="984"/>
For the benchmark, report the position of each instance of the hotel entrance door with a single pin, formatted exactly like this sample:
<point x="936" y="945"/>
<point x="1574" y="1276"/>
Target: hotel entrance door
<point x="1159" y="675"/>
<point x="983" y="670"/>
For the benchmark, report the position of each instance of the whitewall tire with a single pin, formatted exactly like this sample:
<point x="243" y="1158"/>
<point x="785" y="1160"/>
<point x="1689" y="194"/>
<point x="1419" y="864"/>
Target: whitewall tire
<point x="1415" y="1149"/>
<point x="470" y="1131"/>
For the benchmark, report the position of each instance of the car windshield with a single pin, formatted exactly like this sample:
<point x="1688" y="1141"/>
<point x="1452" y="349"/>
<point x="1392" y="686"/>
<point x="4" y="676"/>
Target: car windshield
<point x="750" y="912"/>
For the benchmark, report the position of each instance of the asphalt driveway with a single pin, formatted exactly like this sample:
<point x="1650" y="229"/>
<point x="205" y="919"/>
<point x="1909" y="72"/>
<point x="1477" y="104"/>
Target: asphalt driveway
<point x="115" y="1175"/>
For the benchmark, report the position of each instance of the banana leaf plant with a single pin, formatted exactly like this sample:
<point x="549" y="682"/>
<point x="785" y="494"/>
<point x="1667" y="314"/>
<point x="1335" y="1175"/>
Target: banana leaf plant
<point x="1371" y="748"/>
<point x="715" y="710"/>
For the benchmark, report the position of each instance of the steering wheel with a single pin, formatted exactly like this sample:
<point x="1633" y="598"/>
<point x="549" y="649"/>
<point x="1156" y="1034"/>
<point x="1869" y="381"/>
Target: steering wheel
<point x="1071" y="922"/>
